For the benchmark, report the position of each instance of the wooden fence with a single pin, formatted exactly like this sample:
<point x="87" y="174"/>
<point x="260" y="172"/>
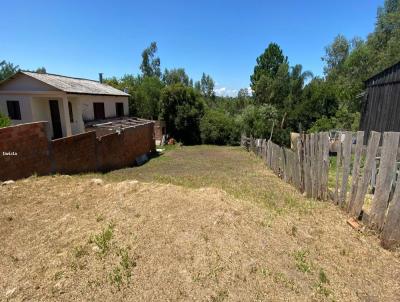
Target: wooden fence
<point x="364" y="182"/>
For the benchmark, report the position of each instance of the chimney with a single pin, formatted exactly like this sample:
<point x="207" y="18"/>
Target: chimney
<point x="101" y="77"/>
<point x="126" y="90"/>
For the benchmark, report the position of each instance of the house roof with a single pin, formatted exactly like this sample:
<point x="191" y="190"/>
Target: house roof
<point x="74" y="85"/>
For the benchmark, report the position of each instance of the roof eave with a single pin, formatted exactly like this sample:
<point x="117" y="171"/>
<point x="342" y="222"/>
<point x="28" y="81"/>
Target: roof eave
<point x="98" y="94"/>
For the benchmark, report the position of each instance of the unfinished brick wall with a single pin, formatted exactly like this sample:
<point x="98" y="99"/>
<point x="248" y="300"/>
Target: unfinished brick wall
<point x="79" y="153"/>
<point x="75" y="154"/>
<point x="24" y="150"/>
<point x="132" y="142"/>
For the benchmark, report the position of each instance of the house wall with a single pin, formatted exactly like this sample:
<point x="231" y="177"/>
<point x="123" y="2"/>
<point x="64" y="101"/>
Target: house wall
<point x="36" y="153"/>
<point x="24" y="104"/>
<point x="25" y="83"/>
<point x="109" y="105"/>
<point x="77" y="126"/>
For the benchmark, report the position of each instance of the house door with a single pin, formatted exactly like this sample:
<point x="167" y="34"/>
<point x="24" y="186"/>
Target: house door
<point x="119" y="109"/>
<point x="98" y="109"/>
<point x="55" y="119"/>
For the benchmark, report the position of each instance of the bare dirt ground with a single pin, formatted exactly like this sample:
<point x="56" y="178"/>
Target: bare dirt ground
<point x="200" y="224"/>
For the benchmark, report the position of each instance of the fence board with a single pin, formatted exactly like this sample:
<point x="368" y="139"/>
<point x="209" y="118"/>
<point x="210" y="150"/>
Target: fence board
<point x="325" y="165"/>
<point x="338" y="169"/>
<point x="346" y="150"/>
<point x="384" y="180"/>
<point x="319" y="149"/>
<point x="300" y="176"/>
<point x="372" y="148"/>
<point x="356" y="167"/>
<point x="307" y="167"/>
<point x="391" y="230"/>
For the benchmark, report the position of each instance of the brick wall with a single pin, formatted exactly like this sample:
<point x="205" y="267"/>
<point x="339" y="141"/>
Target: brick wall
<point x="79" y="153"/>
<point x="74" y="154"/>
<point x="159" y="129"/>
<point x="24" y="150"/>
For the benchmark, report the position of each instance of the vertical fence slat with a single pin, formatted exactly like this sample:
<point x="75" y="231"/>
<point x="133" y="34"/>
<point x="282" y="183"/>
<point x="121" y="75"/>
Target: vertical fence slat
<point x="338" y="169"/>
<point x="391" y="229"/>
<point x="319" y="165"/>
<point x="356" y="167"/>
<point x="325" y="165"/>
<point x="307" y="174"/>
<point x="346" y="151"/>
<point x="384" y="180"/>
<point x="372" y="148"/>
<point x="300" y="163"/>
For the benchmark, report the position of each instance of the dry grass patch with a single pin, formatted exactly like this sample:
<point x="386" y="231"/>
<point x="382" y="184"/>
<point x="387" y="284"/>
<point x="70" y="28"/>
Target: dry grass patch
<point x="206" y="240"/>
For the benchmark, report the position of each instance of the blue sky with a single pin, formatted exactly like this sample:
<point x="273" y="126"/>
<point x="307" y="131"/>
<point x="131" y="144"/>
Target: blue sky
<point x="221" y="38"/>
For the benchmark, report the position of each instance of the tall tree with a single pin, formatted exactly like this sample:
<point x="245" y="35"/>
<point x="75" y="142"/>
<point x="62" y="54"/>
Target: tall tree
<point x="336" y="54"/>
<point x="7" y="69"/>
<point x="182" y="110"/>
<point x="268" y="63"/>
<point x="271" y="64"/>
<point x="176" y="76"/>
<point x="206" y="86"/>
<point x="297" y="79"/>
<point x="150" y="66"/>
<point x="41" y="70"/>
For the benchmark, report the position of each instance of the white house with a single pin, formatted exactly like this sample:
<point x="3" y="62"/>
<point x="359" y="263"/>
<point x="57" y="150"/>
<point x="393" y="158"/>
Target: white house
<point x="65" y="102"/>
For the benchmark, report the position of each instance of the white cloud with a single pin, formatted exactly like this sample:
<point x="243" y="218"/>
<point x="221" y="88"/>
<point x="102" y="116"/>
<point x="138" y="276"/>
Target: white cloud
<point x="225" y="91"/>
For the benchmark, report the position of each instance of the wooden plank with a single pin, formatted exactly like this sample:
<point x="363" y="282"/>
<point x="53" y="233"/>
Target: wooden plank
<point x="387" y="169"/>
<point x="356" y="167"/>
<point x="312" y="164"/>
<point x="307" y="167"/>
<point x="390" y="235"/>
<point x="372" y="148"/>
<point x="318" y="168"/>
<point x="264" y="150"/>
<point x="338" y="169"/>
<point x="325" y="165"/>
<point x="346" y="150"/>
<point x="300" y="172"/>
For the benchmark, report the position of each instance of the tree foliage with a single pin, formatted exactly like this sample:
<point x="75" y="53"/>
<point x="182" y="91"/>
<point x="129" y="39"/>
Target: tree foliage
<point x="150" y="66"/>
<point x="176" y="76"/>
<point x="7" y="69"/>
<point x="219" y="128"/>
<point x="182" y="110"/>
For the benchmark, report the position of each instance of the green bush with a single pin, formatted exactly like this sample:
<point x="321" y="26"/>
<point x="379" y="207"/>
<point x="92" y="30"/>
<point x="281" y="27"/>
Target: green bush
<point x="257" y="121"/>
<point x="182" y="110"/>
<point x="219" y="128"/>
<point x="4" y="121"/>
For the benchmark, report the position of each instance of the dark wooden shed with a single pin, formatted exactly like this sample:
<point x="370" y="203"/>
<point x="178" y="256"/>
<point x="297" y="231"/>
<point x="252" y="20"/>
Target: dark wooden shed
<point x="381" y="101"/>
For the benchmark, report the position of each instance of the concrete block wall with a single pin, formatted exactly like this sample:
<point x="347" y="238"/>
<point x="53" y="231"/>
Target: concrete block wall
<point x="26" y="149"/>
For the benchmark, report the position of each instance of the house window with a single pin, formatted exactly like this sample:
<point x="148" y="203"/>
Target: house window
<point x="98" y="109"/>
<point x="71" y="115"/>
<point x="119" y="109"/>
<point x="14" y="111"/>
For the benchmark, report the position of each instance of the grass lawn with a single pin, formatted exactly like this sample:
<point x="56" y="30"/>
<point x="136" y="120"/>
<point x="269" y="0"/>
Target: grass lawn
<point x="199" y="223"/>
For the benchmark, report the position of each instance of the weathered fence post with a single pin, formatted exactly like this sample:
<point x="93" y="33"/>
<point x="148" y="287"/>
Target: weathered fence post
<point x="338" y="170"/>
<point x="345" y="167"/>
<point x="391" y="229"/>
<point x="325" y="165"/>
<point x="387" y="169"/>
<point x="300" y="158"/>
<point x="356" y="167"/>
<point x="372" y="148"/>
